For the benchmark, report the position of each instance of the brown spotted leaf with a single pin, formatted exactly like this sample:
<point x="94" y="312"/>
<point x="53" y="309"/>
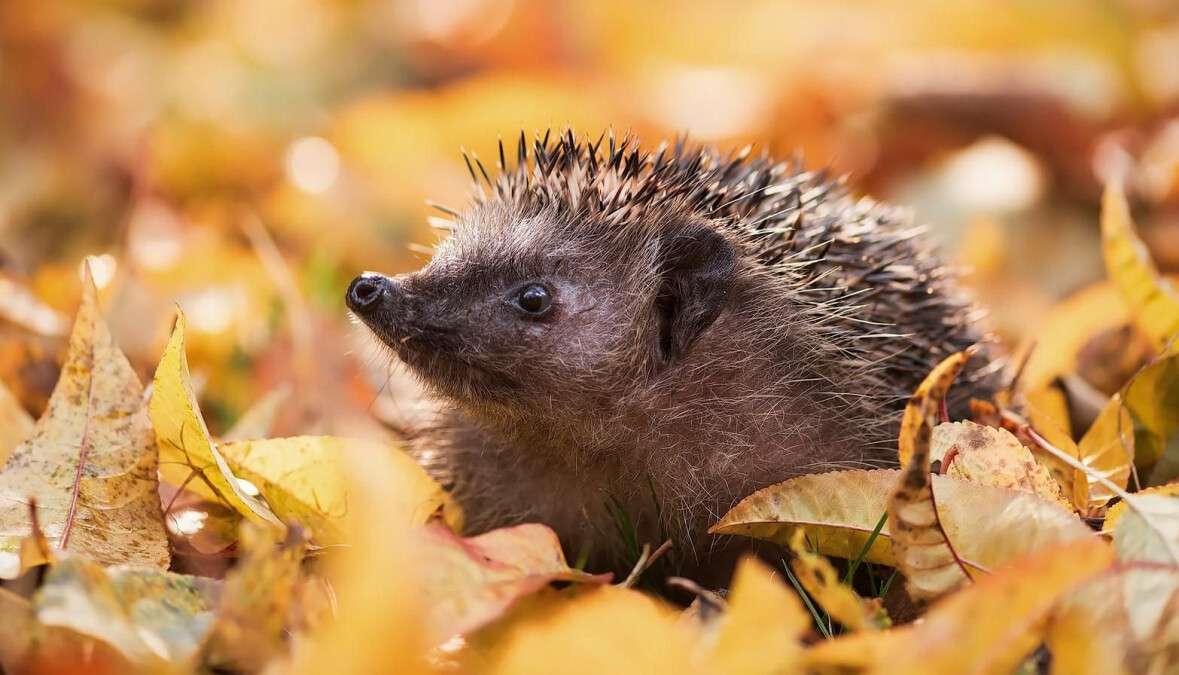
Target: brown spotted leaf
<point x="992" y="456"/>
<point x="91" y="461"/>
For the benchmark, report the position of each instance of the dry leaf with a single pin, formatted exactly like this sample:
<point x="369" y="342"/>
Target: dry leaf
<point x="822" y="582"/>
<point x="995" y="624"/>
<point x="15" y="423"/>
<point x="184" y="440"/>
<point x="91" y="461"/>
<point x="302" y="480"/>
<point x="923" y="552"/>
<point x="470" y="582"/>
<point x="1073" y="482"/>
<point x="150" y="617"/>
<point x="27" y="646"/>
<point x="1152" y="299"/>
<point x="1067" y="328"/>
<point x="992" y="456"/>
<point x="761" y="630"/>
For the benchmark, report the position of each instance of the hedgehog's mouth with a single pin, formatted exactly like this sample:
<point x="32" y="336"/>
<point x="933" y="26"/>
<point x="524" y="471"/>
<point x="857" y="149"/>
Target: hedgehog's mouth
<point x="440" y="353"/>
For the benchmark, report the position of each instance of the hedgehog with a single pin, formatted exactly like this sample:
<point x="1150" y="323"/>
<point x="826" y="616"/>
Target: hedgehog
<point x="609" y="330"/>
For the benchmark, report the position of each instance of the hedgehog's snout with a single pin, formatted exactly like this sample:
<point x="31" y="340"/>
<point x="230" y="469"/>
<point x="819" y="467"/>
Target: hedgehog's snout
<point x="368" y="291"/>
<point x="380" y="302"/>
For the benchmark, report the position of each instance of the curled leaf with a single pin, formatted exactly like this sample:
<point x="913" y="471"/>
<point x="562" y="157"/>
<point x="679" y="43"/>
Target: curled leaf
<point x="1108" y="449"/>
<point x="90" y="463"/>
<point x="1152" y="397"/>
<point x="923" y="552"/>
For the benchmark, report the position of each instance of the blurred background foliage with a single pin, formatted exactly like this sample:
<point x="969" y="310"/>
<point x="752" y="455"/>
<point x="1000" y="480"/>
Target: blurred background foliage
<point x="245" y="158"/>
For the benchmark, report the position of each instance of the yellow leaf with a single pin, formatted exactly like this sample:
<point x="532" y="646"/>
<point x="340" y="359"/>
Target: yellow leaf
<point x="923" y="553"/>
<point x="91" y="461"/>
<point x="987" y="526"/>
<point x="992" y="456"/>
<point x="302" y="479"/>
<point x="996" y="623"/>
<point x="15" y="423"/>
<point x="601" y="629"/>
<point x="822" y="582"/>
<point x="1152" y="299"/>
<point x="470" y="582"/>
<point x="761" y="630"/>
<point x="855" y="652"/>
<point x="21" y="307"/>
<point x="1107" y="448"/>
<point x="183" y="438"/>
<point x="255" y="608"/>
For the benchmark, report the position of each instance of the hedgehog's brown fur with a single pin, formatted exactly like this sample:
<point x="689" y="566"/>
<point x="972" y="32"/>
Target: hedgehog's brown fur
<point x="727" y="322"/>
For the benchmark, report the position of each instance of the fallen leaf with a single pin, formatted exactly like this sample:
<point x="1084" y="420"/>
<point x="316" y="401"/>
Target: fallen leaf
<point x="151" y="617"/>
<point x="855" y="652"/>
<point x="250" y="622"/>
<point x="302" y="480"/>
<point x="988" y="526"/>
<point x="27" y="646"/>
<point x="1152" y="299"/>
<point x="1066" y="329"/>
<point x="91" y="461"/>
<point x="762" y="628"/>
<point x="184" y="440"/>
<point x="924" y="554"/>
<point x="1073" y="482"/>
<point x="992" y="456"/>
<point x="470" y="582"/>
<point x="993" y="625"/>
<point x="15" y="423"/>
<point x="818" y="576"/>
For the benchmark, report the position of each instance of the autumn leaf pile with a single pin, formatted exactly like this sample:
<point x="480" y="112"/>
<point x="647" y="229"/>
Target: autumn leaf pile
<point x="1014" y="543"/>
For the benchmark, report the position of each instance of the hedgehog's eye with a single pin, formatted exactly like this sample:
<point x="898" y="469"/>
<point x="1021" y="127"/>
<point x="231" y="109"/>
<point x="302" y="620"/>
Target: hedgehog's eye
<point x="534" y="299"/>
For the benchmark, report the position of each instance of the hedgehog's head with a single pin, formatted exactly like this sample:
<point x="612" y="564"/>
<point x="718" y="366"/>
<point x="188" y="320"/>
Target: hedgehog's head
<point x="540" y="314"/>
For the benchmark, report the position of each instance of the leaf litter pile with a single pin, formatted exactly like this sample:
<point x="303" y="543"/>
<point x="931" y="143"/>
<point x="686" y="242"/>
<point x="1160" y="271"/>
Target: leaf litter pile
<point x="1030" y="538"/>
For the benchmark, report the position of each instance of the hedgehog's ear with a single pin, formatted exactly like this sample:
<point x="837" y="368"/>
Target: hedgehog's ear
<point x="696" y="270"/>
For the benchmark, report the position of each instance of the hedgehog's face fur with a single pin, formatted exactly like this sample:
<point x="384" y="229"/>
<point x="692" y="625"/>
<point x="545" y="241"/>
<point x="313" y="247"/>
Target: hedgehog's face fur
<point x="540" y="317"/>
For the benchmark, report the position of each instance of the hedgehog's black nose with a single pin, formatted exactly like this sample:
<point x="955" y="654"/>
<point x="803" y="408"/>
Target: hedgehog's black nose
<point x="365" y="291"/>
